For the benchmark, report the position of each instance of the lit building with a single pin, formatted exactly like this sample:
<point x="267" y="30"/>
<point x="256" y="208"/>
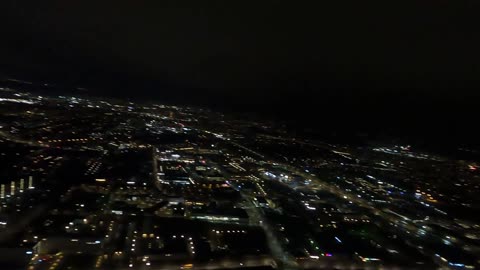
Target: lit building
<point x="30" y="182"/>
<point x="12" y="188"/>
<point x="22" y="185"/>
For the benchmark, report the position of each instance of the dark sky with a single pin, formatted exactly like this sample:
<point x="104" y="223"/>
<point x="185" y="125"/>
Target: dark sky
<point x="412" y="61"/>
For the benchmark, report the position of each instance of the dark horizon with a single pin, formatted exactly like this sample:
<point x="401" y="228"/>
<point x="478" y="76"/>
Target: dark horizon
<point x="404" y="67"/>
<point x="223" y="46"/>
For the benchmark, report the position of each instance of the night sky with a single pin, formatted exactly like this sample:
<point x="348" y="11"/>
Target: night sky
<point x="407" y="65"/>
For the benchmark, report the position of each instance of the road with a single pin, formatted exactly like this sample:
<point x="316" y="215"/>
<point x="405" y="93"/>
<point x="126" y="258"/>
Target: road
<point x="8" y="137"/>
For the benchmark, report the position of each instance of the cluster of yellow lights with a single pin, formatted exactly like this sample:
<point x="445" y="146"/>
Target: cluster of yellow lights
<point x="56" y="262"/>
<point x="148" y="235"/>
<point x="429" y="196"/>
<point x="99" y="261"/>
<point x="68" y="140"/>
<point x="229" y="231"/>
